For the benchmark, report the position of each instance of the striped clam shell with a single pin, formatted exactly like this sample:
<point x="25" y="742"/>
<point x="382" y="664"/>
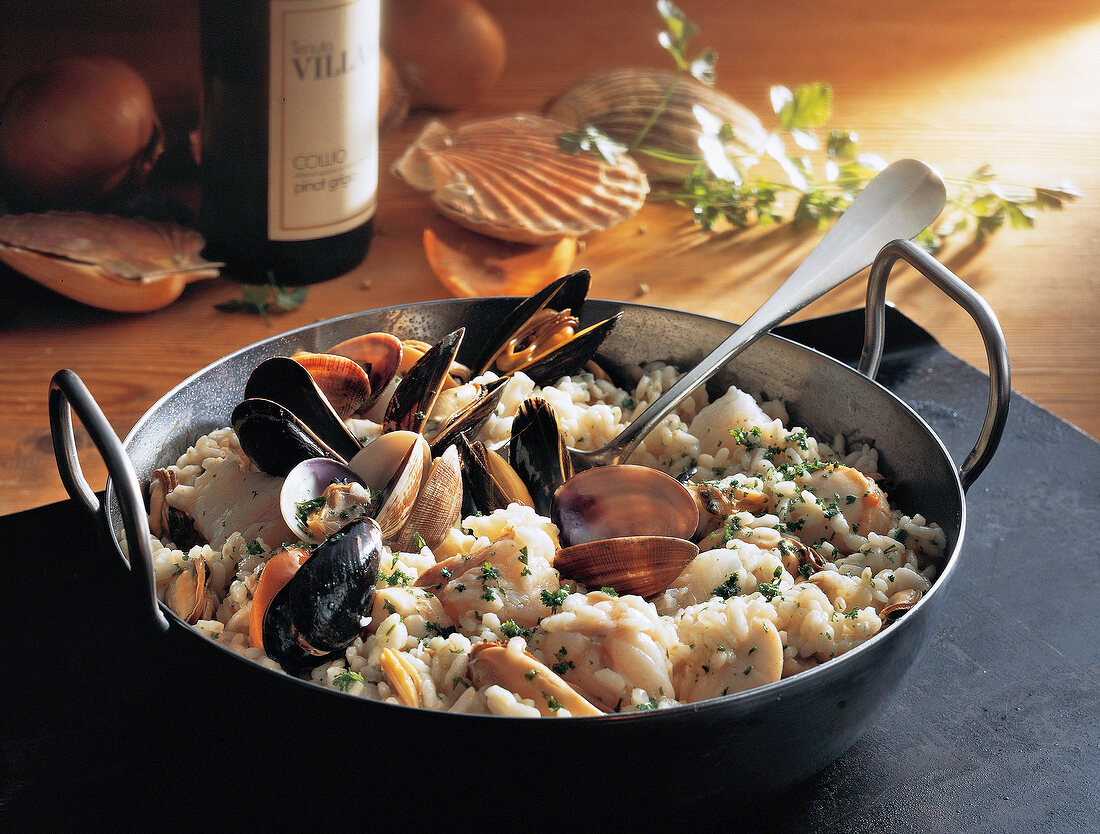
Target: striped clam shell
<point x="620" y="103"/>
<point x="508" y="178"/>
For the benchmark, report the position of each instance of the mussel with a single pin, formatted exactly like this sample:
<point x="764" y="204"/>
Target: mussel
<point x="541" y="336"/>
<point x="326" y="604"/>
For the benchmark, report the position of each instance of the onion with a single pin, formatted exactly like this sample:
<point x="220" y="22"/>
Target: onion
<point x="74" y="131"/>
<point x="448" y="53"/>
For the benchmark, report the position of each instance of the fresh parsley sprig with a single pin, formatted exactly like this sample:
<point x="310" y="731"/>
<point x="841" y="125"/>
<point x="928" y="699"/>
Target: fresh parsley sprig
<point x="262" y="299"/>
<point x="741" y="190"/>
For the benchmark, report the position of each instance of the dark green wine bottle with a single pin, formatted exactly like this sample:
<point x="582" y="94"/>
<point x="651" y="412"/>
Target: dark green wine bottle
<point x="289" y="136"/>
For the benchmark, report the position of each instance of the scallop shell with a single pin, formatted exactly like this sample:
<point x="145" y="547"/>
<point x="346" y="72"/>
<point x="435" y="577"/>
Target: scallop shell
<point x="642" y="565"/>
<point x="621" y="102"/>
<point x="130" y="265"/>
<point x="509" y="179"/>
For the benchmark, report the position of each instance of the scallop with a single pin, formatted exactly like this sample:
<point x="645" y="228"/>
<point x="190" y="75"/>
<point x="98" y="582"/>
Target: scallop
<point x="509" y="178"/>
<point x="621" y="103"/>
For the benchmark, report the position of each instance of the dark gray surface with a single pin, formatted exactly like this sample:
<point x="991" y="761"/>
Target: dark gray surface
<point x="997" y="728"/>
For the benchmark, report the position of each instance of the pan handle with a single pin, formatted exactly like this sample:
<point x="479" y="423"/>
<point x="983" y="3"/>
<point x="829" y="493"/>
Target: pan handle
<point x="996" y="351"/>
<point x="68" y="392"/>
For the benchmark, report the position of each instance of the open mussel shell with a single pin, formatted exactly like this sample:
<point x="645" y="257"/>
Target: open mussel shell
<point x="623" y="102"/>
<point x="327" y="603"/>
<point x="508" y="177"/>
<point x="541" y="337"/>
<point x="642" y="565"/>
<point x="412" y="400"/>
<point x="538" y="452"/>
<point x="612" y="501"/>
<point x="284" y="381"/>
<point x="379" y="354"/>
<point x="469" y="418"/>
<point x="274" y="438"/>
<point x="395" y="463"/>
<point x="488" y="481"/>
<point x="343" y="381"/>
<point x="305" y="482"/>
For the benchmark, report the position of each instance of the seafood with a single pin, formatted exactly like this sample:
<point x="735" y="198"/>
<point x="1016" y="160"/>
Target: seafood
<point x="446" y="556"/>
<point x="622" y="103"/>
<point x="130" y="265"/>
<point x="326" y="604"/>
<point x="509" y="178"/>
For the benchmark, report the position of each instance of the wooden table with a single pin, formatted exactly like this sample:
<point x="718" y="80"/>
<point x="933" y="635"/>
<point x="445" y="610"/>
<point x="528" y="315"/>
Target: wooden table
<point x="1010" y="83"/>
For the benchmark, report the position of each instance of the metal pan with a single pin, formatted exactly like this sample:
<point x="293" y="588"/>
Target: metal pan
<point x="753" y="742"/>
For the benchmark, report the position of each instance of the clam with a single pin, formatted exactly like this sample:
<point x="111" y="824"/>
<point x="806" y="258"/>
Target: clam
<point x="509" y="178"/>
<point x="343" y="381"/>
<point x="379" y="354"/>
<point x="129" y="265"/>
<point x="438" y="505"/>
<point x="320" y="496"/>
<point x="518" y="671"/>
<point x="395" y="463"/>
<point x="541" y="336"/>
<point x="800" y="559"/>
<point x="642" y="565"/>
<point x="612" y="501"/>
<point x="326" y="604"/>
<point x="622" y="102"/>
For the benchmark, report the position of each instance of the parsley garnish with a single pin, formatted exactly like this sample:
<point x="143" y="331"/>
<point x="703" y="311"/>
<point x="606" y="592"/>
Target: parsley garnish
<point x="554" y="599"/>
<point x="345" y="679"/>
<point x="730" y="588"/>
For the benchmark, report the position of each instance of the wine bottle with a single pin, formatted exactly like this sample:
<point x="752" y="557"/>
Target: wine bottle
<point x="289" y="159"/>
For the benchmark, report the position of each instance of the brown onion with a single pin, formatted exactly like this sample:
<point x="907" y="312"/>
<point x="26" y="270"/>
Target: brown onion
<point x="75" y="130"/>
<point x="448" y="53"/>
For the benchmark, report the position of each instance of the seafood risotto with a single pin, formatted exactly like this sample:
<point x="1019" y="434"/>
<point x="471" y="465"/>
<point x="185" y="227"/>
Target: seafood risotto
<point x="489" y="586"/>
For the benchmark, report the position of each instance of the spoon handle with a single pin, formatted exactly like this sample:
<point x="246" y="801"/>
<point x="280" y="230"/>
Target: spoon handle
<point x="899" y="203"/>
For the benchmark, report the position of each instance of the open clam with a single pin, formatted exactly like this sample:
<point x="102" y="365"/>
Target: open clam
<point x="321" y="496"/>
<point x="509" y="178"/>
<point x="642" y="565"/>
<point x="612" y="501"/>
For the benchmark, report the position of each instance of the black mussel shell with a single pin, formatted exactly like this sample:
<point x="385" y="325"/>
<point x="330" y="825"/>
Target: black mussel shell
<point x="469" y="421"/>
<point x="538" y="453"/>
<point x="568" y="292"/>
<point x="570" y="357"/>
<point x="285" y="381"/>
<point x="274" y="438"/>
<point x="414" y="396"/>
<point x="320" y="611"/>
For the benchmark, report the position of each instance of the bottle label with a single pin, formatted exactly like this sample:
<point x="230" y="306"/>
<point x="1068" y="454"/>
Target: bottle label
<point x="323" y="117"/>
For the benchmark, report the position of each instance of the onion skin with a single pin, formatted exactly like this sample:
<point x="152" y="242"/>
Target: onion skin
<point x="448" y="53"/>
<point x="75" y="131"/>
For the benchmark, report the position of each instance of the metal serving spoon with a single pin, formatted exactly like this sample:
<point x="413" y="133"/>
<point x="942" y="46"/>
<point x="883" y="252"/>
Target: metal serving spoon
<point x="899" y="203"/>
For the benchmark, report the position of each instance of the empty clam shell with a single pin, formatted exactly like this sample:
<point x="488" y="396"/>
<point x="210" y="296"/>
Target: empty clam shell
<point x="642" y="565"/>
<point x="621" y="103"/>
<point x="508" y="178"/>
<point x="396" y="463"/>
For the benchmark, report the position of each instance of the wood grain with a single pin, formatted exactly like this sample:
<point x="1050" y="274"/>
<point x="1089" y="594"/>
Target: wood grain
<point x="957" y="85"/>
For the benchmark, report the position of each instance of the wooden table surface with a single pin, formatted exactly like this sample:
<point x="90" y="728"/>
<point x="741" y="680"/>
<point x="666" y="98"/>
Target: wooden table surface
<point x="1011" y="83"/>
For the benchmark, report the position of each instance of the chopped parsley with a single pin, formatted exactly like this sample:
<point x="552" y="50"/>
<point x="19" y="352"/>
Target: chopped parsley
<point x="442" y="631"/>
<point x="770" y="590"/>
<point x="611" y="592"/>
<point x="510" y="628"/>
<point x="304" y="509"/>
<point x="523" y="561"/>
<point x="253" y="547"/>
<point x="554" y="599"/>
<point x="652" y="703"/>
<point x="345" y="679"/>
<point x="749" y="439"/>
<point x="730" y="588"/>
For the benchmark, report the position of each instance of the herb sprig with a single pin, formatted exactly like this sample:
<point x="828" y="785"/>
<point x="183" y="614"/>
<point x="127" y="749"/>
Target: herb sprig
<point x="736" y="189"/>
<point x="263" y="299"/>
